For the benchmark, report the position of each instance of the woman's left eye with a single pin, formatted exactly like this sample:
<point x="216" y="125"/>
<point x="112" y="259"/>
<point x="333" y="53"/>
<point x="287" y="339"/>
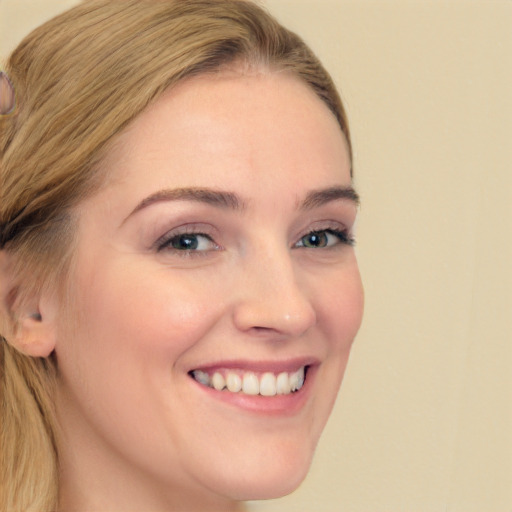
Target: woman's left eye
<point x="325" y="238"/>
<point x="187" y="242"/>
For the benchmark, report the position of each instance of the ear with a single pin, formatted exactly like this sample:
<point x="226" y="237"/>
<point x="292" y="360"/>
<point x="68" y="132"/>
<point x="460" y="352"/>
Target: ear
<point x="28" y="322"/>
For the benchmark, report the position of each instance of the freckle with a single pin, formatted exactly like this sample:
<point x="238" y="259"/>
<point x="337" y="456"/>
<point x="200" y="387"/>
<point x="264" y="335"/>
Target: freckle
<point x="7" y="99"/>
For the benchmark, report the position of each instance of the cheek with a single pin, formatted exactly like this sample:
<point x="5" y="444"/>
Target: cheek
<point x="132" y="326"/>
<point x="341" y="308"/>
<point x="339" y="316"/>
<point x="145" y="311"/>
<point x="339" y="305"/>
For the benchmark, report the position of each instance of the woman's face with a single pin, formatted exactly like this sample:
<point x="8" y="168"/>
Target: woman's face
<point x="218" y="252"/>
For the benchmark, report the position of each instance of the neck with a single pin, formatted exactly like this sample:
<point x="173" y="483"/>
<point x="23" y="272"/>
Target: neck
<point x="76" y="498"/>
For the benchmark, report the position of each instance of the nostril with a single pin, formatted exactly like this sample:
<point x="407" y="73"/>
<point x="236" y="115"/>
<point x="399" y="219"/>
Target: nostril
<point x="261" y="329"/>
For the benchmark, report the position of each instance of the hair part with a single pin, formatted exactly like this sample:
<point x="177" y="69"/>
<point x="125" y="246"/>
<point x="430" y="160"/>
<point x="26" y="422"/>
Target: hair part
<point x="80" y="79"/>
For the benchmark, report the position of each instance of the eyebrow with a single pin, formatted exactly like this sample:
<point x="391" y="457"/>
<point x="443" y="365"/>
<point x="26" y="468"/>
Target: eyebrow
<point x="217" y="198"/>
<point x="317" y="198"/>
<point x="229" y="200"/>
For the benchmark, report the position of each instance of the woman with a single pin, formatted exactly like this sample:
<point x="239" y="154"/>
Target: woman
<point x="179" y="288"/>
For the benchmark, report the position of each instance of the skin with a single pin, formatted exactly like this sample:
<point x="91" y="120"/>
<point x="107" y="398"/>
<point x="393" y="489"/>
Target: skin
<point x="138" y="432"/>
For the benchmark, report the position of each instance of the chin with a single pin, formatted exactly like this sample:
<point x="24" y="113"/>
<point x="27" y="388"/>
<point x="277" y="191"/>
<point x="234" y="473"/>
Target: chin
<point x="264" y="488"/>
<point x="266" y="475"/>
<point x="277" y="488"/>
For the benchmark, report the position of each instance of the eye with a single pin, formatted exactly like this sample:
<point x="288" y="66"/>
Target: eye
<point x="186" y="243"/>
<point x="325" y="238"/>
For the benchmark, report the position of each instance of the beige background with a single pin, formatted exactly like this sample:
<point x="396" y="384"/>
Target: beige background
<point x="424" y="419"/>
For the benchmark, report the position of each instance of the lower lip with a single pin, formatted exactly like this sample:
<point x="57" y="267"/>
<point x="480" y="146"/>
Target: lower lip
<point x="277" y="405"/>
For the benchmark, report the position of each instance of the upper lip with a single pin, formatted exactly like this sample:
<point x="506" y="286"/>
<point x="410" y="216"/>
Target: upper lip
<point x="260" y="366"/>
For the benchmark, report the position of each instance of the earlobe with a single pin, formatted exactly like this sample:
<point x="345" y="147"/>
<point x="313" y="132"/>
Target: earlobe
<point x="35" y="335"/>
<point x="28" y="324"/>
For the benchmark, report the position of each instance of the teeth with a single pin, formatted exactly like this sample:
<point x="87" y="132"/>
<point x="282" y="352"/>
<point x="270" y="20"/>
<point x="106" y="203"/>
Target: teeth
<point x="201" y="377"/>
<point x="250" y="384"/>
<point x="297" y="380"/>
<point x="283" y="384"/>
<point x="267" y="384"/>
<point x="218" y="381"/>
<point x="233" y="382"/>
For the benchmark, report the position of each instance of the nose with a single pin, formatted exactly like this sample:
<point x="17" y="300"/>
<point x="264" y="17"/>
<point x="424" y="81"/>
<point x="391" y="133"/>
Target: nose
<point x="271" y="298"/>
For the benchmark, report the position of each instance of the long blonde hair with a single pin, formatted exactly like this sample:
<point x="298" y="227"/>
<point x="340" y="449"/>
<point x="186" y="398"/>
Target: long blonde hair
<point x="79" y="80"/>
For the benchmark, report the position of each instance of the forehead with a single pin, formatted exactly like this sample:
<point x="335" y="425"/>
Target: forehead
<point x="246" y="131"/>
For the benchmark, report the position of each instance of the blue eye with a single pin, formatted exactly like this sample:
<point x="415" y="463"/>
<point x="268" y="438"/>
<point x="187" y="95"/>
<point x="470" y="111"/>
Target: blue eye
<point x="187" y="242"/>
<point x="325" y="238"/>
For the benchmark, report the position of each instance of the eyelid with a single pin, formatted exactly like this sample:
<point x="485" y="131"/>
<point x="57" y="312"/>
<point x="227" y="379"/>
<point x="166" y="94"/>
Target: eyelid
<point x="324" y="225"/>
<point x="334" y="227"/>
<point x="344" y="237"/>
<point x="194" y="229"/>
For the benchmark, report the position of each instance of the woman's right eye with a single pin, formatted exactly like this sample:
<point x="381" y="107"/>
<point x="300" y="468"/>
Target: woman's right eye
<point x="187" y="243"/>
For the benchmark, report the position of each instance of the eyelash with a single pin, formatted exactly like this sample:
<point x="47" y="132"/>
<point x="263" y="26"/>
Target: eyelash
<point x="164" y="243"/>
<point x="343" y="236"/>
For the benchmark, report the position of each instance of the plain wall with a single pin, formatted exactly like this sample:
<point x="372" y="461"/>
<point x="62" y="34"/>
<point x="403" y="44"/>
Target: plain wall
<point x="424" y="419"/>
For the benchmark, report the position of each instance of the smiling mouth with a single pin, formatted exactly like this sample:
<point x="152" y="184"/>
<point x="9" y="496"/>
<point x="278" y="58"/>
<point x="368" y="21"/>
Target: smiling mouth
<point x="252" y="383"/>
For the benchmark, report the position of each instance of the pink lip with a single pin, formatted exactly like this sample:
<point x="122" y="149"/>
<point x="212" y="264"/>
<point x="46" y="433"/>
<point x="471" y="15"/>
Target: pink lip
<point x="279" y="405"/>
<point x="289" y="365"/>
